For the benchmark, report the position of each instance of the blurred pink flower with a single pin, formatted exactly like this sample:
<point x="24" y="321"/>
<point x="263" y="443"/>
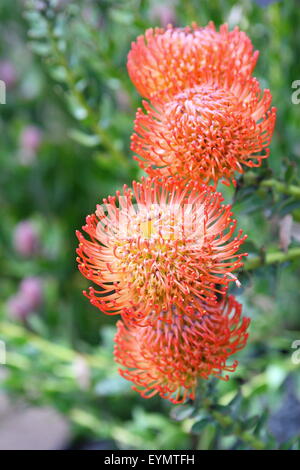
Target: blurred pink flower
<point x="30" y="141"/>
<point x="164" y="14"/>
<point x="27" y="300"/>
<point x="32" y="291"/>
<point x="31" y="138"/>
<point x="17" y="307"/>
<point x="8" y="73"/>
<point x="26" y="240"/>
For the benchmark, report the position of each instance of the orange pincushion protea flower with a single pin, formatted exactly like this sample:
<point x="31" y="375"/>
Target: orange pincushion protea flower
<point x="178" y="55"/>
<point x="207" y="132"/>
<point x="168" y="358"/>
<point x="176" y="242"/>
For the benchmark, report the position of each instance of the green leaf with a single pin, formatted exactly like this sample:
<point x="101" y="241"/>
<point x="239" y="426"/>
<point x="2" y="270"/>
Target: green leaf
<point x="84" y="139"/>
<point x="235" y="404"/>
<point x="261" y="422"/>
<point x="251" y="422"/>
<point x="78" y="111"/>
<point x="200" y="425"/>
<point x="122" y="17"/>
<point x="59" y="73"/>
<point x="40" y="48"/>
<point x="289" y="173"/>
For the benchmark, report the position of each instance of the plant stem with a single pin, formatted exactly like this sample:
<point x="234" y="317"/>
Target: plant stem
<point x="290" y="190"/>
<point x="63" y="353"/>
<point x="271" y="258"/>
<point x="105" y="139"/>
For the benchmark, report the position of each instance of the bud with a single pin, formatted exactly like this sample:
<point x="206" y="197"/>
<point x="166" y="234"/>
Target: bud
<point x="26" y="240"/>
<point x="30" y="141"/>
<point x="31" y="290"/>
<point x="31" y="138"/>
<point x="17" y="307"/>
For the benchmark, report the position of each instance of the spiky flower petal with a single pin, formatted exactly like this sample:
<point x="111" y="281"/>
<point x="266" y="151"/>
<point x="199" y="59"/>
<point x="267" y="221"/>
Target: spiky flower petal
<point x="169" y="357"/>
<point x="207" y="132"/>
<point x="165" y="56"/>
<point x="174" y="243"/>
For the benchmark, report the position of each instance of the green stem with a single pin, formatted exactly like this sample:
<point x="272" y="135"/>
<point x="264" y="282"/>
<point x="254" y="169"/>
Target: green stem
<point x="290" y="190"/>
<point x="271" y="258"/>
<point x="63" y="353"/>
<point x="97" y="129"/>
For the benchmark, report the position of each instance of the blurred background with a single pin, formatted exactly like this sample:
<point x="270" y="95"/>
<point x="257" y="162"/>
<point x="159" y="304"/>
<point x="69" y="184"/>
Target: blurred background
<point x="65" y="138"/>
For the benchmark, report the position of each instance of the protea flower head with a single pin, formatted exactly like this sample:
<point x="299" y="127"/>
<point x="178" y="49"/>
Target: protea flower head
<point x="207" y="132"/>
<point x="178" y="55"/>
<point x="174" y="243"/>
<point x="169" y="357"/>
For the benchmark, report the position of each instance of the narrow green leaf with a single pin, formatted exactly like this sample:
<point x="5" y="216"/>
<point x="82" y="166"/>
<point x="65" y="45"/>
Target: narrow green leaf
<point x="200" y="425"/>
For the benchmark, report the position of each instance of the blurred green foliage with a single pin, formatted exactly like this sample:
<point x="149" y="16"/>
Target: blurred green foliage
<point x="71" y="82"/>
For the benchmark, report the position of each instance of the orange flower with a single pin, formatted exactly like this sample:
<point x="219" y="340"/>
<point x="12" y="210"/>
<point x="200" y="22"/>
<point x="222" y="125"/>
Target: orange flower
<point x="178" y="55"/>
<point x="169" y="358"/>
<point x="174" y="243"/>
<point x="207" y="132"/>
